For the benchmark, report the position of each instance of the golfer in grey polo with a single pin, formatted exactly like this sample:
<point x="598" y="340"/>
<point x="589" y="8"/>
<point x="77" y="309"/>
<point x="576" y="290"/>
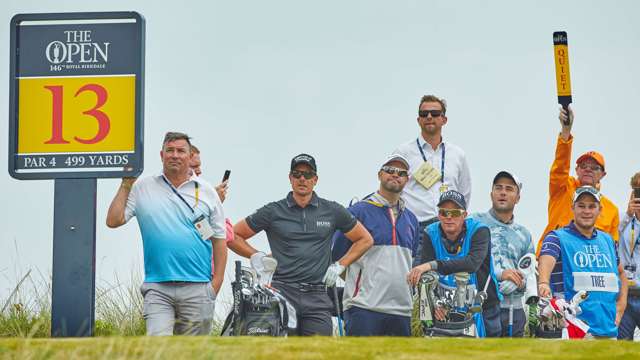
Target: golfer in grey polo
<point x="299" y="230"/>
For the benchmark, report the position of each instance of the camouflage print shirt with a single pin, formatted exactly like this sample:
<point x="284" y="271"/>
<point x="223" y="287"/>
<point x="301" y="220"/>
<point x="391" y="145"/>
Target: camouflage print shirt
<point x="509" y="242"/>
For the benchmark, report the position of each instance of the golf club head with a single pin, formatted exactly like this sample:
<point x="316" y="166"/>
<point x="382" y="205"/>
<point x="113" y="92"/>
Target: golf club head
<point x="478" y="300"/>
<point x="247" y="292"/>
<point x="462" y="279"/>
<point x="429" y="278"/>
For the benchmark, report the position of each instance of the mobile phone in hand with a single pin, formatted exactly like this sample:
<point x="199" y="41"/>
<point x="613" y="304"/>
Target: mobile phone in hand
<point x="636" y="193"/>
<point x="226" y="175"/>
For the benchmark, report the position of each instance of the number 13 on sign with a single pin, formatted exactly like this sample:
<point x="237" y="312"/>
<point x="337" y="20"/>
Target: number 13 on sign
<point x="76" y="114"/>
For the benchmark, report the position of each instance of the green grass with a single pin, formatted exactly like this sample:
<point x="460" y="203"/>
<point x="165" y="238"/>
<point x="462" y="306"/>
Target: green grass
<point x="312" y="348"/>
<point x="27" y="310"/>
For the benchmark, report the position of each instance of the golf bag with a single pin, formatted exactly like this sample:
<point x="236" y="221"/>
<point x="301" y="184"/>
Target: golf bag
<point x="258" y="310"/>
<point x="463" y="305"/>
<point x="557" y="319"/>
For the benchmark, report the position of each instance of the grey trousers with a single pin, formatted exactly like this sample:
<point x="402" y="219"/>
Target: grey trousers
<point x="313" y="308"/>
<point x="180" y="308"/>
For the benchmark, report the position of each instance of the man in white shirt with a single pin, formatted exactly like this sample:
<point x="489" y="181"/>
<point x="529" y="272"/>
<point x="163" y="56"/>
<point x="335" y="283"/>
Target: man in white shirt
<point x="437" y="166"/>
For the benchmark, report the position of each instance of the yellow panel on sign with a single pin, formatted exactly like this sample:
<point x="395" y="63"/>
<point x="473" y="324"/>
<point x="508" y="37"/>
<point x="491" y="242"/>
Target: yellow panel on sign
<point x="563" y="79"/>
<point x="76" y="114"/>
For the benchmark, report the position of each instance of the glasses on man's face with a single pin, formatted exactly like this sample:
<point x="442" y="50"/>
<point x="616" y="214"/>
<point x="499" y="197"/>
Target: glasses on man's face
<point x="425" y="113"/>
<point x="307" y="174"/>
<point x="592" y="167"/>
<point x="454" y="213"/>
<point x="391" y="170"/>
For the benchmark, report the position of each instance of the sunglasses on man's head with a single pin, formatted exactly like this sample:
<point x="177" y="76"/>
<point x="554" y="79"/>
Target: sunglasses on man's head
<point x="450" y="212"/>
<point x="394" y="170"/>
<point x="425" y="113"/>
<point x="307" y="174"/>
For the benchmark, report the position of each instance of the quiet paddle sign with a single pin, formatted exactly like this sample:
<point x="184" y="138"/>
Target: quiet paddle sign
<point x="563" y="78"/>
<point x="76" y="95"/>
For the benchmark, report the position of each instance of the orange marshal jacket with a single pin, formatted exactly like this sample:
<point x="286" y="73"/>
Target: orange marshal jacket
<point x="561" y="189"/>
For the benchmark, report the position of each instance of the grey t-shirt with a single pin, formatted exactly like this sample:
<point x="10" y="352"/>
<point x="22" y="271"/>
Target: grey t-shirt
<point x="300" y="238"/>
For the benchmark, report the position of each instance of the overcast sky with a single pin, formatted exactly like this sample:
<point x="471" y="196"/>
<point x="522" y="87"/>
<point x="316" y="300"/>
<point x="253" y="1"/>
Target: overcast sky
<point x="256" y="83"/>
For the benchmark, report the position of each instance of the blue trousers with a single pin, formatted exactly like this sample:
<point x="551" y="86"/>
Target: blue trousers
<point x="492" y="321"/>
<point x="362" y="322"/>
<point x="630" y="319"/>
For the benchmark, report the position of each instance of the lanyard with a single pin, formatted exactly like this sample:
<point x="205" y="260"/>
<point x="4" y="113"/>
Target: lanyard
<point x="180" y="196"/>
<point x="632" y="244"/>
<point x="425" y="159"/>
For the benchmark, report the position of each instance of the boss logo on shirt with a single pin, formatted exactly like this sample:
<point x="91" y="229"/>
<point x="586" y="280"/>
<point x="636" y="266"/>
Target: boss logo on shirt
<point x="323" y="223"/>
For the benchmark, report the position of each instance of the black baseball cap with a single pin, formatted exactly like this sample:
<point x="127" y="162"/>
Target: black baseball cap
<point x="304" y="159"/>
<point x="454" y="196"/>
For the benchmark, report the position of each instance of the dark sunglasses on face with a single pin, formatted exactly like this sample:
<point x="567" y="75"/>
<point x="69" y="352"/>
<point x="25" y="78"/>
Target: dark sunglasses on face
<point x="425" y="113"/>
<point x="307" y="174"/>
<point x="394" y="170"/>
<point x="450" y="212"/>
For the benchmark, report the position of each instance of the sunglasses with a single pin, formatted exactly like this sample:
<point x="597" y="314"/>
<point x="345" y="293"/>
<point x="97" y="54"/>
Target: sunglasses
<point x="394" y="170"/>
<point x="450" y="212"/>
<point x="584" y="166"/>
<point x="307" y="174"/>
<point x="425" y="113"/>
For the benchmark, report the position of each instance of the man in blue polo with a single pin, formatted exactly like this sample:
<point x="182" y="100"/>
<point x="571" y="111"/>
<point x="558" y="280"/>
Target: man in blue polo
<point x="182" y="223"/>
<point x="377" y="300"/>
<point x="588" y="262"/>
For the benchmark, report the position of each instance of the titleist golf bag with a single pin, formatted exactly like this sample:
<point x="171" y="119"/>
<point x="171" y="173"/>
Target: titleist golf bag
<point x="463" y="305"/>
<point x="258" y="310"/>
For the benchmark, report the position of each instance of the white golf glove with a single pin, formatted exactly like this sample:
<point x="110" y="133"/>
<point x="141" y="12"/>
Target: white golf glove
<point x="332" y="274"/>
<point x="507" y="287"/>
<point x="256" y="262"/>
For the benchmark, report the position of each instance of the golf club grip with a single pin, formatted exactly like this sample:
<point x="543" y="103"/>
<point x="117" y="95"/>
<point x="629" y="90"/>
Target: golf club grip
<point x="238" y="271"/>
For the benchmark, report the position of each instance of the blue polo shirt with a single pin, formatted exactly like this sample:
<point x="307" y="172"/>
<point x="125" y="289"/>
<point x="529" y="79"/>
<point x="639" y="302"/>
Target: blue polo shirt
<point x="173" y="249"/>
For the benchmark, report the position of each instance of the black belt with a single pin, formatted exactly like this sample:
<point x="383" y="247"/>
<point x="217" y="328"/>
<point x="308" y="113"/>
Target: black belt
<point x="305" y="287"/>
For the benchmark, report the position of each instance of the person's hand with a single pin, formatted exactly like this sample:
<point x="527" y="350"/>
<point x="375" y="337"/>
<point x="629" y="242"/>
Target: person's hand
<point x="544" y="290"/>
<point x="634" y="205"/>
<point x="413" y="276"/>
<point x="332" y="274"/>
<point x="440" y="313"/>
<point x="127" y="182"/>
<point x="507" y="287"/>
<point x="514" y="276"/>
<point x="562" y="116"/>
<point x="221" y="189"/>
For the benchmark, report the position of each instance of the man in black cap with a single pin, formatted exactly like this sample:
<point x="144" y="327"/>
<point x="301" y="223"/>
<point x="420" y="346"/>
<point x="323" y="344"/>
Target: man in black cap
<point x="299" y="230"/>
<point x="459" y="245"/>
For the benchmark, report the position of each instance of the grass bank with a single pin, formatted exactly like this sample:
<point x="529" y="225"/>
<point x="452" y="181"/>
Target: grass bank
<point x="312" y="348"/>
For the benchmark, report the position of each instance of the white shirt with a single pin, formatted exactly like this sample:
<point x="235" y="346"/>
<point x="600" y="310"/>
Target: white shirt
<point x="423" y="202"/>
